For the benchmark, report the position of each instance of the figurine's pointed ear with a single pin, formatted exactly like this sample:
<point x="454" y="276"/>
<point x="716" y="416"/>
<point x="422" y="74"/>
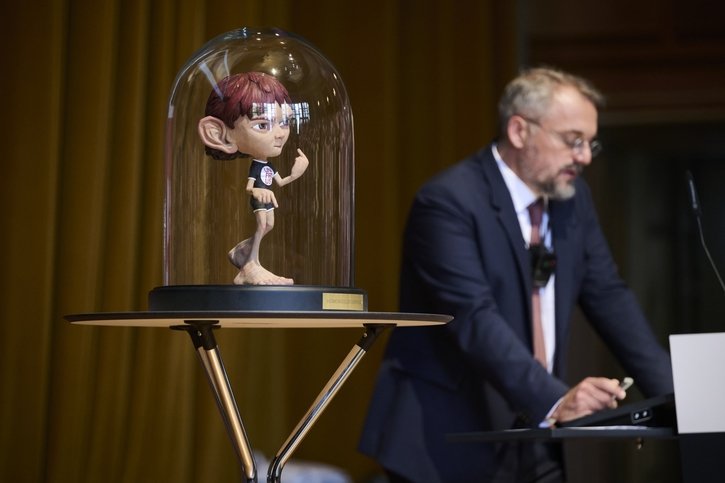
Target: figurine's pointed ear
<point x="213" y="133"/>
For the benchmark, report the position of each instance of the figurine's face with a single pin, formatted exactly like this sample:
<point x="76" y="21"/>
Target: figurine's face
<point x="264" y="135"/>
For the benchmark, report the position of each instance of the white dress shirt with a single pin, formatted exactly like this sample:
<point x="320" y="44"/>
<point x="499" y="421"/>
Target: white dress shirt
<point x="522" y="197"/>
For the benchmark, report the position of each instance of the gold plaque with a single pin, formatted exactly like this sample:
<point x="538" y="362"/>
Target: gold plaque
<point x="342" y="301"/>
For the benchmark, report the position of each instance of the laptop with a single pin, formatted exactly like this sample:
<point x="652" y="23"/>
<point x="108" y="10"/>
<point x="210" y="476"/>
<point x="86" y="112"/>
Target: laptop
<point x="654" y="412"/>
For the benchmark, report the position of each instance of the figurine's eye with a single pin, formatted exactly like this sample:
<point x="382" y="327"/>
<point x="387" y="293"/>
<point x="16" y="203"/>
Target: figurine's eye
<point x="261" y="126"/>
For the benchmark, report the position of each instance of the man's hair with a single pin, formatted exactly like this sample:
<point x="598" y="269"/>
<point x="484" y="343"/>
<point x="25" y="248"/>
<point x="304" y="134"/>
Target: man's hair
<point x="240" y="95"/>
<point x="531" y="92"/>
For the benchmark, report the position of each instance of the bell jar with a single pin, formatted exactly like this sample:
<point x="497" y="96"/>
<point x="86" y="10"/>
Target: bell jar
<point x="259" y="166"/>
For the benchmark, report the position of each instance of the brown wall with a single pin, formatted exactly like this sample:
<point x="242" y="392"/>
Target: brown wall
<point x="81" y="190"/>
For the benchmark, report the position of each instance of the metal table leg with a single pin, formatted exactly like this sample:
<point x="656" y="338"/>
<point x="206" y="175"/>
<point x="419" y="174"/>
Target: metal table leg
<point x="202" y="337"/>
<point x="274" y="475"/>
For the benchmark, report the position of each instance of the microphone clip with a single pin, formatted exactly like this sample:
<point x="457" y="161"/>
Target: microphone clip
<point x="543" y="264"/>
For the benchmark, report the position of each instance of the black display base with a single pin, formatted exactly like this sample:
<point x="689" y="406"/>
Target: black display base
<point x="295" y="298"/>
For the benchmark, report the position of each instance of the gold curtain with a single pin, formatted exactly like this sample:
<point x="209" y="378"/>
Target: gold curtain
<point x="85" y="86"/>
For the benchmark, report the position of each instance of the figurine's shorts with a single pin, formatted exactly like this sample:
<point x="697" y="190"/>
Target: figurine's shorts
<point x="258" y="206"/>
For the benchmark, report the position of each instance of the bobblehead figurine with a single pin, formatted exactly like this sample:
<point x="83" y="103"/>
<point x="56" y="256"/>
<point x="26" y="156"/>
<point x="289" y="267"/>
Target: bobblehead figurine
<point x="248" y="115"/>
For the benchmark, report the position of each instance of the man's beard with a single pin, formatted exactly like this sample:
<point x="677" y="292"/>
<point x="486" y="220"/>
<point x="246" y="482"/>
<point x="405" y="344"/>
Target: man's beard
<point x="560" y="190"/>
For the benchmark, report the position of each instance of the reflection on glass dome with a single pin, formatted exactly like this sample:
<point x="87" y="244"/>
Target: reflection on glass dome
<point x="259" y="166"/>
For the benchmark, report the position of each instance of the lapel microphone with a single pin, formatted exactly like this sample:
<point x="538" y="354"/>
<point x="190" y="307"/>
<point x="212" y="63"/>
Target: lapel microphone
<point x="543" y="264"/>
<point x="697" y="210"/>
<point x="543" y="261"/>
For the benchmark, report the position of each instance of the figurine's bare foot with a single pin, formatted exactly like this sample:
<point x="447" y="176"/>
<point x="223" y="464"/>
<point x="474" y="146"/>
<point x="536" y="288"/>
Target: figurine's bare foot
<point x="240" y="253"/>
<point x="254" y="274"/>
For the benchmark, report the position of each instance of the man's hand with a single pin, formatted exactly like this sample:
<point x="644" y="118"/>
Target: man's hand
<point x="590" y="395"/>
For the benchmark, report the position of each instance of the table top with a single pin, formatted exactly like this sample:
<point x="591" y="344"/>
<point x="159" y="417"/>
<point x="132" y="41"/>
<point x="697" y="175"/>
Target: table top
<point x="258" y="319"/>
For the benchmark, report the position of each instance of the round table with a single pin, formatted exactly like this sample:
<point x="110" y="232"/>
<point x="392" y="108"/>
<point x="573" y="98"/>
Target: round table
<point x="200" y="324"/>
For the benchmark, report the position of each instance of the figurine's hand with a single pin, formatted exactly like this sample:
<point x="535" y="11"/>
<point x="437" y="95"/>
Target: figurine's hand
<point x="264" y="196"/>
<point x="301" y="163"/>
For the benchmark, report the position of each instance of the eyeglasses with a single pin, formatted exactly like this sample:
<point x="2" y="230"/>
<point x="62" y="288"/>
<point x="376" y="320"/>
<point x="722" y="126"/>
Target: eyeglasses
<point x="576" y="144"/>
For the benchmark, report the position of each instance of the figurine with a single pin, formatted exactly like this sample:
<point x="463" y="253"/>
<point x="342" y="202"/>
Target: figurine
<point x="248" y="115"/>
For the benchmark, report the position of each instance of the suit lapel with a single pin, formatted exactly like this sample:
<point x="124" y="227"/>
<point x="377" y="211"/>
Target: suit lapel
<point x="504" y="208"/>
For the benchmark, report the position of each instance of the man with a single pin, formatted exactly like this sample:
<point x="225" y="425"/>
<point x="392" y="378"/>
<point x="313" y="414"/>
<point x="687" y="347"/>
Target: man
<point x="469" y="252"/>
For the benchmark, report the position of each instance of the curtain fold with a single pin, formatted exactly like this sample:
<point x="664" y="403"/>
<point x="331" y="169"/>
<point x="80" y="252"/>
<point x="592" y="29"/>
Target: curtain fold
<point x="86" y="86"/>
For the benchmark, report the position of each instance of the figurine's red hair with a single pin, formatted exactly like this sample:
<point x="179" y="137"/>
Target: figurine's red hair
<point x="235" y="96"/>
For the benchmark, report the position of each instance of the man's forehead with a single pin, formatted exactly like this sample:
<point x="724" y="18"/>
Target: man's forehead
<point x="569" y="110"/>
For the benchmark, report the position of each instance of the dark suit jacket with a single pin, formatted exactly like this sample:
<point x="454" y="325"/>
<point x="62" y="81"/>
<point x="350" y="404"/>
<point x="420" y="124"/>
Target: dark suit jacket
<point x="464" y="255"/>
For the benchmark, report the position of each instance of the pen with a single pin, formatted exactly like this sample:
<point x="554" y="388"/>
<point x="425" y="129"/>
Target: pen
<point x="626" y="383"/>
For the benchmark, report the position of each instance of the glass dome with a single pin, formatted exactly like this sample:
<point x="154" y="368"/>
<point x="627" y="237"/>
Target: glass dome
<point x="210" y="229"/>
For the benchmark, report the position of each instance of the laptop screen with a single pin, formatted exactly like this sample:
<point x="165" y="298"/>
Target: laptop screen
<point x="698" y="370"/>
